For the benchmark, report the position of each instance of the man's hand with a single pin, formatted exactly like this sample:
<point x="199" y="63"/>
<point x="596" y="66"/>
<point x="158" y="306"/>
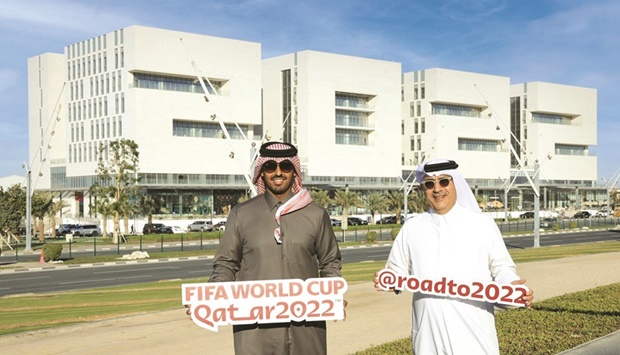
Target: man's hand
<point x="529" y="296"/>
<point x="376" y="282"/>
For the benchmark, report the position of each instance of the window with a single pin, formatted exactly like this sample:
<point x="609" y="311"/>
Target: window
<point x="351" y="137"/>
<point x="568" y="149"/>
<point x="206" y="129"/>
<point x="352" y="118"/>
<point x="550" y="118"/>
<point x="455" y="110"/>
<point x="170" y="83"/>
<point x="479" y="145"/>
<point x="352" y="100"/>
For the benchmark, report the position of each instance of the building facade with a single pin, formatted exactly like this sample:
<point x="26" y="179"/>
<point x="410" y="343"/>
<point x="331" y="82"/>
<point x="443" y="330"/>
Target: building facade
<point x="359" y="123"/>
<point x="501" y="134"/>
<point x="341" y="112"/>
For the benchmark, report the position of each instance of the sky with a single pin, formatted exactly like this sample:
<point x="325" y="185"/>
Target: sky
<point x="571" y="42"/>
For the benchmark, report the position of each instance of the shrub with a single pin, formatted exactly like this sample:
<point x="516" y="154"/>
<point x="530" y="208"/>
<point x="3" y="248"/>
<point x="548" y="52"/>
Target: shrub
<point x="556" y="226"/>
<point x="371" y="236"/>
<point x="572" y="224"/>
<point x="394" y="232"/>
<point x="51" y="252"/>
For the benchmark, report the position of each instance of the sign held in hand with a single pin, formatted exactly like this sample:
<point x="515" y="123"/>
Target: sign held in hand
<point x="266" y="301"/>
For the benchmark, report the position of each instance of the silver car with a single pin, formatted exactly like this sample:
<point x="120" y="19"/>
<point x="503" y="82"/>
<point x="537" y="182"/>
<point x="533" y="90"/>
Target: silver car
<point x="86" y="229"/>
<point x="200" y="226"/>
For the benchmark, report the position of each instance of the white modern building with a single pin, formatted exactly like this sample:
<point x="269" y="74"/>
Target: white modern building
<point x="341" y="112"/>
<point x="142" y="84"/>
<point x="359" y="123"/>
<point x="498" y="132"/>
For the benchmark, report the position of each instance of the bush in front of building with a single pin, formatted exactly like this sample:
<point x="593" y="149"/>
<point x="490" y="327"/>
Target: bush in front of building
<point x="52" y="251"/>
<point x="572" y="224"/>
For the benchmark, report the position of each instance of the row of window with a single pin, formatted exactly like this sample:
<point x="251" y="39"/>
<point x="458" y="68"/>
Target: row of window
<point x="94" y="108"/>
<point x="352" y="118"/>
<point x="567" y="149"/>
<point x="353" y="100"/>
<point x="207" y="129"/>
<point x="92" y="65"/>
<point x="352" y="137"/>
<point x="479" y="145"/>
<point x="549" y="118"/>
<point x="94" y="44"/>
<point x="455" y="110"/>
<point x="99" y="129"/>
<point x="98" y="86"/>
<point x="87" y="152"/>
<point x="172" y="83"/>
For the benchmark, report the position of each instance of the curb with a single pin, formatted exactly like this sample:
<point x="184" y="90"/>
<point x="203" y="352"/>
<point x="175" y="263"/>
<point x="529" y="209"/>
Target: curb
<point x="55" y="266"/>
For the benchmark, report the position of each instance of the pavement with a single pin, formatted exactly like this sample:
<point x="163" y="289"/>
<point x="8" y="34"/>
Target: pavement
<point x="373" y="318"/>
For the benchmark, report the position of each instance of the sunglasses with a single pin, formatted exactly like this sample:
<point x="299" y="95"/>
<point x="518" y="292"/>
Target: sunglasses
<point x="430" y="184"/>
<point x="285" y="166"/>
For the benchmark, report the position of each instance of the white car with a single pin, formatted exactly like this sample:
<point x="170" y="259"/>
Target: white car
<point x="177" y="230"/>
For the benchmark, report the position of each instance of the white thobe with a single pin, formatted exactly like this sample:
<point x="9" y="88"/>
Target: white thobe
<point x="464" y="246"/>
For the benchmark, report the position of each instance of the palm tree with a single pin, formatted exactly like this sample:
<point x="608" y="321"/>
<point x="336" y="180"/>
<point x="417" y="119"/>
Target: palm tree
<point x="375" y="202"/>
<point x="41" y="204"/>
<point x="147" y="206"/>
<point x="346" y="199"/>
<point x="321" y="197"/>
<point x="396" y="202"/>
<point x="55" y="209"/>
<point x="104" y="207"/>
<point x="416" y="201"/>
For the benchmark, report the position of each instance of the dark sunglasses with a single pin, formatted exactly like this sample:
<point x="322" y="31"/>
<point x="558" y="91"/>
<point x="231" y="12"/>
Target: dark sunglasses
<point x="430" y="184"/>
<point x="285" y="166"/>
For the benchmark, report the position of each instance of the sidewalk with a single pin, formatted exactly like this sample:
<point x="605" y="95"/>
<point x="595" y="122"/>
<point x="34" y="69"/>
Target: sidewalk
<point x="373" y="318"/>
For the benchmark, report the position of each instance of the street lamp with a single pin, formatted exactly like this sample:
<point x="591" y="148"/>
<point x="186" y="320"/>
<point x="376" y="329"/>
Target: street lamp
<point x="28" y="247"/>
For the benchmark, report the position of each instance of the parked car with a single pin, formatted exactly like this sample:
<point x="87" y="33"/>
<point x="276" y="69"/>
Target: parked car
<point x="65" y="228"/>
<point x="86" y="229"/>
<point x="582" y="214"/>
<point x="356" y="221"/>
<point x="200" y="226"/>
<point x="525" y="215"/>
<point x="602" y="213"/>
<point x="157" y="228"/>
<point x="177" y="230"/>
<point x="336" y="222"/>
<point x="220" y="226"/>
<point x="390" y="220"/>
<point x="548" y="222"/>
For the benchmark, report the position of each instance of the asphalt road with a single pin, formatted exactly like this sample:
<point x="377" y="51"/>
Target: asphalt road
<point x="74" y="277"/>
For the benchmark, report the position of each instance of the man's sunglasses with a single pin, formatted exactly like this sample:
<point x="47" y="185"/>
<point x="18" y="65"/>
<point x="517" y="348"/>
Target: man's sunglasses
<point x="430" y="184"/>
<point x="285" y="166"/>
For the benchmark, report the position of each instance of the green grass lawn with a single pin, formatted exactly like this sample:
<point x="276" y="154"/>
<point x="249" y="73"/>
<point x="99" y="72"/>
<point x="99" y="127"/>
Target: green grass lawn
<point x="578" y="317"/>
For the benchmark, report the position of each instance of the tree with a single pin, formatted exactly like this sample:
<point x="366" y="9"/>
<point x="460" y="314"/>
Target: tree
<point x="12" y="209"/>
<point x="416" y="201"/>
<point x="396" y="202"/>
<point x="346" y="199"/>
<point x="55" y="209"/>
<point x="321" y="197"/>
<point x="375" y="202"/>
<point x="117" y="175"/>
<point x="147" y="206"/>
<point x="41" y="204"/>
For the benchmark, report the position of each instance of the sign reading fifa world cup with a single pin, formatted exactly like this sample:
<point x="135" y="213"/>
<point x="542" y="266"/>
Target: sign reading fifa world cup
<point x="493" y="292"/>
<point x="266" y="301"/>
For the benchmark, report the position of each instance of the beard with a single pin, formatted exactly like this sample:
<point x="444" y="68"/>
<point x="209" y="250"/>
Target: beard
<point x="278" y="190"/>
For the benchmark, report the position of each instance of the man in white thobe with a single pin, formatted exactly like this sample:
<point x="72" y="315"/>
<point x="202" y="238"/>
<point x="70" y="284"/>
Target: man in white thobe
<point x="453" y="239"/>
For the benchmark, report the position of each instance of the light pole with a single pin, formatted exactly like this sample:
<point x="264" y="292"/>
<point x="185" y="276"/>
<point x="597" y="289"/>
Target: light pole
<point x="536" y="205"/>
<point x="28" y="247"/>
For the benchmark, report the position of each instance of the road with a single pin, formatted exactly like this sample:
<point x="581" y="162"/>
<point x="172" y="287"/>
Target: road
<point x="76" y="277"/>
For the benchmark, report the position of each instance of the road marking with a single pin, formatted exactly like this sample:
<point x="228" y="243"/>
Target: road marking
<point x="100" y="280"/>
